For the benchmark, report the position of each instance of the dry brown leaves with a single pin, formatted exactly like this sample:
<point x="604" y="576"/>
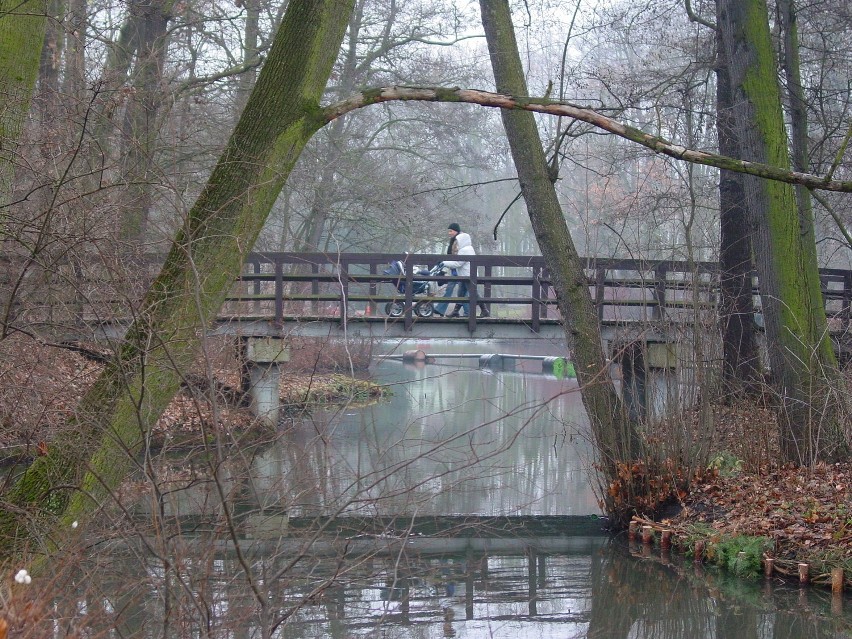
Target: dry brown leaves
<point x="41" y="384"/>
<point x="804" y="510"/>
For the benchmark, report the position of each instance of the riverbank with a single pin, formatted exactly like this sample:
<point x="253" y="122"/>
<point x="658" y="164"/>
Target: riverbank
<point x="741" y="503"/>
<point x="745" y="507"/>
<point x="789" y="515"/>
<point x="41" y="384"/>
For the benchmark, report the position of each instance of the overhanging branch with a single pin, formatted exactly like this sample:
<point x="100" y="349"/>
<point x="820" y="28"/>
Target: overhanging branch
<point x="554" y="107"/>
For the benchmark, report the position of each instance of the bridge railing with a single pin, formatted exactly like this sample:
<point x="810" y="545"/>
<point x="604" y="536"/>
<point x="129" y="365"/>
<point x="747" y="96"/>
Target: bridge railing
<point x="283" y="285"/>
<point x="275" y="286"/>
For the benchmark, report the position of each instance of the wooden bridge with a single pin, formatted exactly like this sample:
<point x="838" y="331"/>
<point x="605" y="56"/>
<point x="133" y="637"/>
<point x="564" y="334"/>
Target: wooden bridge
<point x="646" y="309"/>
<point x="322" y="294"/>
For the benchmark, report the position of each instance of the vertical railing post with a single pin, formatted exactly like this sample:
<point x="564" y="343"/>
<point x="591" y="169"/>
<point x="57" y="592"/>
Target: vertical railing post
<point x="660" y="291"/>
<point x="343" y="303"/>
<point x="279" y="293"/>
<point x="473" y="296"/>
<point x="535" y="310"/>
<point x="315" y="289"/>
<point x="371" y="304"/>
<point x="846" y="309"/>
<point x="255" y="285"/>
<point x="408" y="319"/>
<point x="344" y="291"/>
<point x="600" y="289"/>
<point x="486" y="289"/>
<point x="545" y="292"/>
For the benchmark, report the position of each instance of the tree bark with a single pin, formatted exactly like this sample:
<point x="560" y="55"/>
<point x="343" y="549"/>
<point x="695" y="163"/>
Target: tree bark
<point x="798" y="108"/>
<point x="251" y="36"/>
<point x="616" y="438"/>
<point x="80" y="472"/>
<point x="22" y="30"/>
<point x="141" y="118"/>
<point x="804" y="368"/>
<point x="741" y="366"/>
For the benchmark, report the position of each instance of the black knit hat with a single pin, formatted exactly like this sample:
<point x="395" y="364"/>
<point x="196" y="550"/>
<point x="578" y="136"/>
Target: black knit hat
<point x="455" y="227"/>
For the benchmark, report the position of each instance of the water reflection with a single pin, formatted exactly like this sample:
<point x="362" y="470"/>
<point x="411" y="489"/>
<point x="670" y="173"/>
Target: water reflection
<point x="256" y="549"/>
<point x="455" y="439"/>
<point x="451" y="439"/>
<point x="546" y="587"/>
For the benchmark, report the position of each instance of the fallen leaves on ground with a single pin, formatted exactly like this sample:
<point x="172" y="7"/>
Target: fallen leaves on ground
<point x="807" y="510"/>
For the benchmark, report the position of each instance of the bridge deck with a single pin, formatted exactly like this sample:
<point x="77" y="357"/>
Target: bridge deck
<point x="322" y="294"/>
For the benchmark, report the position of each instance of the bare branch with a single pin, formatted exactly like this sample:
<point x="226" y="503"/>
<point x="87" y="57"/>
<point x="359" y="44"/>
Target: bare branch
<point x="840" y="225"/>
<point x="694" y="17"/>
<point x="554" y="107"/>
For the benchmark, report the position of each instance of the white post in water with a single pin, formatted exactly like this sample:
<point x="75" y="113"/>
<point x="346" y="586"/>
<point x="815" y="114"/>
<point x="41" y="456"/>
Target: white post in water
<point x="264" y="356"/>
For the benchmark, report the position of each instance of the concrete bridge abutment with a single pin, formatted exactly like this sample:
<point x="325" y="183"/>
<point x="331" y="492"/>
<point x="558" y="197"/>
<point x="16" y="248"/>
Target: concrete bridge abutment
<point x="262" y="359"/>
<point x="648" y="368"/>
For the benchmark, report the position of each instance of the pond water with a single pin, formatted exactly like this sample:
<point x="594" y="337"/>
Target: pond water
<point x="460" y="507"/>
<point x="452" y="439"/>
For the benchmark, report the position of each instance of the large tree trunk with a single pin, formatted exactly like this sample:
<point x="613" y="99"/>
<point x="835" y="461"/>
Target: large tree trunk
<point x="22" y="29"/>
<point x="615" y="436"/>
<point x="804" y="368"/>
<point x="798" y="108"/>
<point x="741" y="366"/>
<point x="80" y="472"/>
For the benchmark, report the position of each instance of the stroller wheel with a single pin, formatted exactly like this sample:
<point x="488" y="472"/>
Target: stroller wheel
<point x="394" y="309"/>
<point x="423" y="309"/>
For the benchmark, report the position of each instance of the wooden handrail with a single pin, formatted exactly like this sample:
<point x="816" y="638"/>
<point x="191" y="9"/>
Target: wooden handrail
<point x="662" y="286"/>
<point x="666" y="281"/>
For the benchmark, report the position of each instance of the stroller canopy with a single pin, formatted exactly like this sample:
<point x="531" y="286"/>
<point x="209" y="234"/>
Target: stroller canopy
<point x="395" y="268"/>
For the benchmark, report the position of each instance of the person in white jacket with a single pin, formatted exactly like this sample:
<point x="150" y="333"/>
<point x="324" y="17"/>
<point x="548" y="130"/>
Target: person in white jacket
<point x="465" y="247"/>
<point x="441" y="307"/>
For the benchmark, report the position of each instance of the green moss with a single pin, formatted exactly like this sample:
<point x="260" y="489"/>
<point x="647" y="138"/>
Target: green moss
<point x="741" y="554"/>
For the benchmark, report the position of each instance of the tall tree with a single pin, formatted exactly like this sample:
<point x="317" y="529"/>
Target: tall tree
<point x="141" y="116"/>
<point x="615" y="436"/>
<point x="114" y="417"/>
<point x="804" y="367"/>
<point x="22" y="30"/>
<point x="740" y="366"/>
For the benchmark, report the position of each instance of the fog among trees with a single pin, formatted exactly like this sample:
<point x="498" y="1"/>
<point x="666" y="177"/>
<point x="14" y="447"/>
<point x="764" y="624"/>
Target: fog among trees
<point x="150" y="145"/>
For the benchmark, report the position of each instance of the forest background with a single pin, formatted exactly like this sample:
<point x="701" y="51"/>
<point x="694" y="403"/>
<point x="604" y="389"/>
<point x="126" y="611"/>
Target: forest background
<point x="133" y="106"/>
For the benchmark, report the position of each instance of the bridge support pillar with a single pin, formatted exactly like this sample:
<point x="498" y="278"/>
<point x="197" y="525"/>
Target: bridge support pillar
<point x="263" y="358"/>
<point x="633" y="381"/>
<point x="648" y="377"/>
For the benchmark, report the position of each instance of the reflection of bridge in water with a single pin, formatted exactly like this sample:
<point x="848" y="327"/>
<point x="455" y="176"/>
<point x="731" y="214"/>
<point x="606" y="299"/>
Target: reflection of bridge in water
<point x="555" y="366"/>
<point x="356" y="578"/>
<point x="550" y="585"/>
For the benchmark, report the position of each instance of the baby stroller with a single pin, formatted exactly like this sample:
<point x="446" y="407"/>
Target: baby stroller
<point x="420" y="288"/>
